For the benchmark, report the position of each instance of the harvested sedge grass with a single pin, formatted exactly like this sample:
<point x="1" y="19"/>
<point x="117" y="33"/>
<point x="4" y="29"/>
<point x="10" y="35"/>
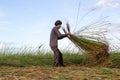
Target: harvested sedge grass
<point x="97" y="50"/>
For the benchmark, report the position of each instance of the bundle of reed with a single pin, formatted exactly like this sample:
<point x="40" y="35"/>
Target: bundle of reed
<point x="98" y="50"/>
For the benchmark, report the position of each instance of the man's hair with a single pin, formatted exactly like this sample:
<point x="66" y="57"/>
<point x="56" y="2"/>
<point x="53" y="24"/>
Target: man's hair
<point x="58" y="22"/>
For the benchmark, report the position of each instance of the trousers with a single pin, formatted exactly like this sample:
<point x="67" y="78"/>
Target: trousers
<point x="58" y="59"/>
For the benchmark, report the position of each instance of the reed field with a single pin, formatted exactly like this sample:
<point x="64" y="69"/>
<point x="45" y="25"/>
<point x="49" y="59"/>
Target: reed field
<point x="38" y="66"/>
<point x="41" y="59"/>
<point x="93" y="61"/>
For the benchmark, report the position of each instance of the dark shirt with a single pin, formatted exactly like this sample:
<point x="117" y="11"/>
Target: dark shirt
<point x="55" y="36"/>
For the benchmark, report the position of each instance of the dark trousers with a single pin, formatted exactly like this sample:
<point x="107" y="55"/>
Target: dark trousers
<point x="58" y="60"/>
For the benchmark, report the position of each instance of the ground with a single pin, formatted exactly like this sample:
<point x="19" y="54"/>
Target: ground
<point x="73" y="72"/>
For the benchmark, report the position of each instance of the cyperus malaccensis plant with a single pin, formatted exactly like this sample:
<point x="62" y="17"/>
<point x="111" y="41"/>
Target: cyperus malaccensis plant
<point x="97" y="49"/>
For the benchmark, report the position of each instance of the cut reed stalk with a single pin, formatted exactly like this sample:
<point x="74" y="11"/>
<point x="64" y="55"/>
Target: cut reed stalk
<point x="98" y="50"/>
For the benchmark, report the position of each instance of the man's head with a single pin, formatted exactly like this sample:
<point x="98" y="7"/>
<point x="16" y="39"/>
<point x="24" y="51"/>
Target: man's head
<point x="58" y="24"/>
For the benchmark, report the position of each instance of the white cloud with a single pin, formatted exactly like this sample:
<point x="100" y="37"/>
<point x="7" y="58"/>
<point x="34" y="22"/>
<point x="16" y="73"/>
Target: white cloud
<point x="108" y="3"/>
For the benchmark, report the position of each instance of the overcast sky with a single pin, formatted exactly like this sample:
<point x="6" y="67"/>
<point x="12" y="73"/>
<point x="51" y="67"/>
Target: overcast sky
<point x="29" y="22"/>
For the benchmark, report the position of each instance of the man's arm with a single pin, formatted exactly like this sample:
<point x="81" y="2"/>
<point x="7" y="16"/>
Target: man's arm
<point x="60" y="36"/>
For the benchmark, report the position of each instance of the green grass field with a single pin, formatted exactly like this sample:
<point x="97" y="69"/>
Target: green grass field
<point x="32" y="66"/>
<point x="41" y="59"/>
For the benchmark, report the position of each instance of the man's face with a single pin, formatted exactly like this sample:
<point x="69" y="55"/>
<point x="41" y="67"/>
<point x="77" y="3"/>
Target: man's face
<point x="59" y="26"/>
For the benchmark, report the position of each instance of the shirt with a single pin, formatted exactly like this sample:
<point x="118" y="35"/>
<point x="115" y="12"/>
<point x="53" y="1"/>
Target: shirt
<point x="55" y="36"/>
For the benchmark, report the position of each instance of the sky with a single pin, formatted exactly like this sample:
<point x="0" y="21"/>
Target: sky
<point x="29" y="22"/>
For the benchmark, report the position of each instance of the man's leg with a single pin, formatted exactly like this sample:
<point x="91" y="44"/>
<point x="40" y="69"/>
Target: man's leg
<point x="56" y="56"/>
<point x="61" y="58"/>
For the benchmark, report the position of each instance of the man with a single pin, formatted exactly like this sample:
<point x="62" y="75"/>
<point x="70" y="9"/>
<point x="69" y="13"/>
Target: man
<point x="54" y="37"/>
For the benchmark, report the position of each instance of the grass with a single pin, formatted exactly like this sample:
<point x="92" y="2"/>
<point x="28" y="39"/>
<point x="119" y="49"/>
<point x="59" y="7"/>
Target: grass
<point x="41" y="59"/>
<point x="32" y="66"/>
<point x="106" y="71"/>
<point x="61" y="73"/>
<point x="115" y="59"/>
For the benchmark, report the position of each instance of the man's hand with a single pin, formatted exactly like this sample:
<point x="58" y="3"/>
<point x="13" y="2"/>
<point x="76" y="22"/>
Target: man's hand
<point x="68" y="34"/>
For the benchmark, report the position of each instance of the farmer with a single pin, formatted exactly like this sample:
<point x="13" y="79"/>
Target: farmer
<point x="54" y="37"/>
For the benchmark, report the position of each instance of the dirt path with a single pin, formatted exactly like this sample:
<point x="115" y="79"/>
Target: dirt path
<point x="61" y="73"/>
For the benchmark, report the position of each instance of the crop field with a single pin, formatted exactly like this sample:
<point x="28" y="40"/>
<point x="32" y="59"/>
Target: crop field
<point x="38" y="66"/>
